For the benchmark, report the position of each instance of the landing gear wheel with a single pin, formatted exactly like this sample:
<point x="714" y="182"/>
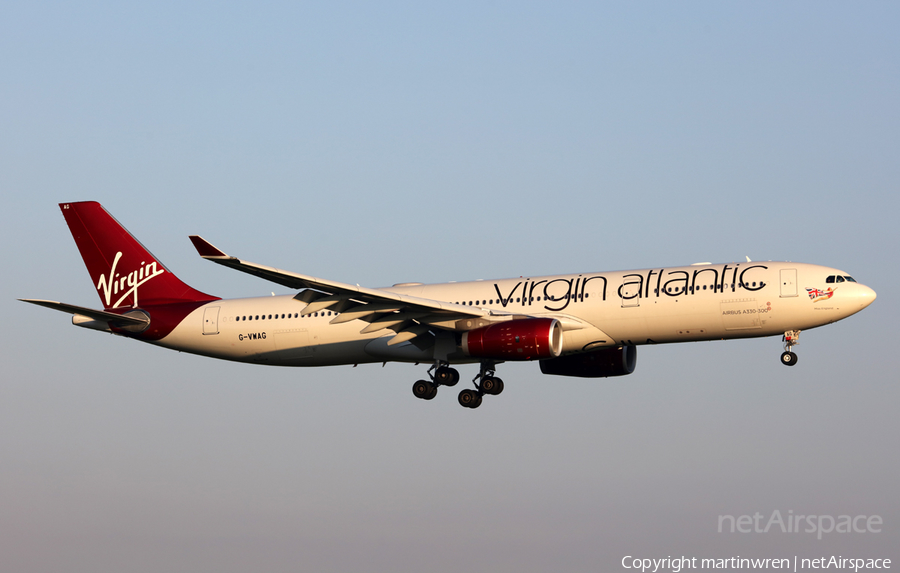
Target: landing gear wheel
<point x="469" y="398"/>
<point x="491" y="385"/>
<point x="424" y="389"/>
<point x="790" y="338"/>
<point x="788" y="358"/>
<point x="446" y="376"/>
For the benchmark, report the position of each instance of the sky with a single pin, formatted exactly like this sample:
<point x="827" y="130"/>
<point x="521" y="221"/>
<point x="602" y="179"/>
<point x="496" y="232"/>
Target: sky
<point x="381" y="143"/>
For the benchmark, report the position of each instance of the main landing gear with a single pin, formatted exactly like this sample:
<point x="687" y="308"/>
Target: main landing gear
<point x="444" y="375"/>
<point x="489" y="384"/>
<point x="788" y="358"/>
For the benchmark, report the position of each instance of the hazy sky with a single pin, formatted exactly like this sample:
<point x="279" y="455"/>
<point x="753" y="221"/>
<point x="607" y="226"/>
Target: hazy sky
<point x="376" y="143"/>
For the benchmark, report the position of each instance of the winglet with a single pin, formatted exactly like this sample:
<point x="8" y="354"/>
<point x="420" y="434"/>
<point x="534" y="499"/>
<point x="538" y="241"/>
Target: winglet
<point x="206" y="249"/>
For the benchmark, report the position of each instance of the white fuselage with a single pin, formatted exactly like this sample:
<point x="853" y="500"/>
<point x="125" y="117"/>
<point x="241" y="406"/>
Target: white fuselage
<point x="662" y="305"/>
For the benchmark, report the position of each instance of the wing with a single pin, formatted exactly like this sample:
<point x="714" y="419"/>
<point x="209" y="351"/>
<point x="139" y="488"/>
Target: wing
<point x="408" y="316"/>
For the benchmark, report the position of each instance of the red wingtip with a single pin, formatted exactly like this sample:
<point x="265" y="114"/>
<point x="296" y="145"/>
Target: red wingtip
<point x="205" y="248"/>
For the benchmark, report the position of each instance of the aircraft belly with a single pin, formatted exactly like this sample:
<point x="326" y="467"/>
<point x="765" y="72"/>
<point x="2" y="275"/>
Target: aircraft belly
<point x="665" y="321"/>
<point x="584" y="339"/>
<point x="684" y="319"/>
<point x="404" y="352"/>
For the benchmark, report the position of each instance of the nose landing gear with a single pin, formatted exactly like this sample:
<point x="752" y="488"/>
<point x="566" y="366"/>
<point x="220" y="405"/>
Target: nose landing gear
<point x="788" y="358"/>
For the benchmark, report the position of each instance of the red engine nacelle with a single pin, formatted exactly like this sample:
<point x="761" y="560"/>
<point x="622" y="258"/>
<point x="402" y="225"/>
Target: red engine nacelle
<point x="526" y="339"/>
<point x="597" y="364"/>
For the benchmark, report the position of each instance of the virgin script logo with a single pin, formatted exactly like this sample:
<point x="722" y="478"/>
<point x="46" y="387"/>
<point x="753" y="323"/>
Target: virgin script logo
<point x="114" y="284"/>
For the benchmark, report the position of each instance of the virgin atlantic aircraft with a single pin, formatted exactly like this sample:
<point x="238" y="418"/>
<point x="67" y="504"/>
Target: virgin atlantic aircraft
<point x="586" y="324"/>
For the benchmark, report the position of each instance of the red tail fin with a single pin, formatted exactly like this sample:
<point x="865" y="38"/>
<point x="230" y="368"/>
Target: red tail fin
<point x="125" y="274"/>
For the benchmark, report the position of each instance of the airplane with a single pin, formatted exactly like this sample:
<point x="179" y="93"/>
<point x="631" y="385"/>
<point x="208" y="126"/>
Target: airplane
<point x="585" y="325"/>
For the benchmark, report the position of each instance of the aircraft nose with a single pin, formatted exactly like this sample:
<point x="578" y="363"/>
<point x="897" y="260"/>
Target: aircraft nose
<point x="866" y="296"/>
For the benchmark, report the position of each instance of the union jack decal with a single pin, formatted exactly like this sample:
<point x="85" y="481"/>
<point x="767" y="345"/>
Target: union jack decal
<point x="816" y="295"/>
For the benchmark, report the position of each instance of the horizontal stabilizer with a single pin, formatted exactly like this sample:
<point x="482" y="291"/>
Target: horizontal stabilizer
<point x="101" y="315"/>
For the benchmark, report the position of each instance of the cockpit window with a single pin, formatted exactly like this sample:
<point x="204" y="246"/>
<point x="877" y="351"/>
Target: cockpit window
<point x="839" y="279"/>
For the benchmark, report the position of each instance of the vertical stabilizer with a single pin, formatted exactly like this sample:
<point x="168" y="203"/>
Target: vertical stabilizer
<point x="125" y="273"/>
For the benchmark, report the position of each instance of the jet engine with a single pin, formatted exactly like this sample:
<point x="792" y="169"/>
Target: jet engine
<point x="601" y="363"/>
<point x="525" y="339"/>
